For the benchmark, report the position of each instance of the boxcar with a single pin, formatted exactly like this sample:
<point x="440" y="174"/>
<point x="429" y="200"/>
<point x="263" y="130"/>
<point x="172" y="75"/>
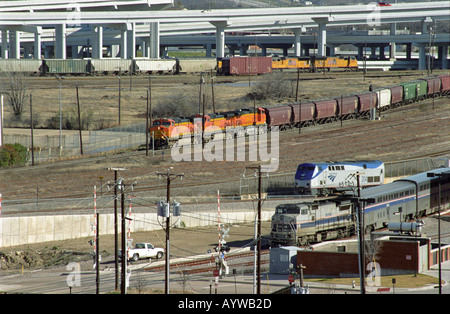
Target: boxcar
<point x="366" y="102"/>
<point x="303" y="114"/>
<point x="384" y="98"/>
<point x="246" y="65"/>
<point x="279" y="116"/>
<point x="326" y="110"/>
<point x="347" y="106"/>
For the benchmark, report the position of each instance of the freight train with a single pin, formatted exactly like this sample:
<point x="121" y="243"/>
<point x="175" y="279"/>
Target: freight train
<point x="315" y="64"/>
<point x="324" y="178"/>
<point x="167" y="131"/>
<point x="220" y="66"/>
<point x="402" y="200"/>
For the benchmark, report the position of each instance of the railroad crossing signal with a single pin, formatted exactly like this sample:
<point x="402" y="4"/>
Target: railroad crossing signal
<point x="224" y="234"/>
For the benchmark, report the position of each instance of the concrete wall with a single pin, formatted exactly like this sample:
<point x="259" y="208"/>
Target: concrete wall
<point x="36" y="229"/>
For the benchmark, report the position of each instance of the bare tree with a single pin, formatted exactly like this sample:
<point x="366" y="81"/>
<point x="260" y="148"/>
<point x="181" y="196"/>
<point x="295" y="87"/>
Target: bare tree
<point x="14" y="85"/>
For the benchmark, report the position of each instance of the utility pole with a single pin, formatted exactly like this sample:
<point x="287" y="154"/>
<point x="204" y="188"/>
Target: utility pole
<point x="31" y="122"/>
<point x="169" y="177"/>
<point x="116" y="245"/>
<point x="360" y="204"/>
<point x="79" y="123"/>
<point x="97" y="254"/>
<point x="258" y="257"/>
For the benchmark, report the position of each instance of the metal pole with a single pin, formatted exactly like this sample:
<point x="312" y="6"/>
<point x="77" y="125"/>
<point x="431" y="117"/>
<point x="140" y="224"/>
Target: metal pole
<point x="259" y="232"/>
<point x="31" y="123"/>
<point x="60" y="117"/>
<point x="97" y="255"/>
<point x="124" y="245"/>
<point x="146" y="127"/>
<point x="167" y="276"/>
<point x="79" y="123"/>
<point x="120" y="96"/>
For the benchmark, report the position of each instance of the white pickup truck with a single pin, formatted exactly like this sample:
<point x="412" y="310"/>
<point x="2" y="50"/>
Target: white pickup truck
<point x="144" y="250"/>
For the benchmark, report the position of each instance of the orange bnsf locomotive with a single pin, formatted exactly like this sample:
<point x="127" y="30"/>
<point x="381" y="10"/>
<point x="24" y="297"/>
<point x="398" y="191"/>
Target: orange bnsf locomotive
<point x="167" y="132"/>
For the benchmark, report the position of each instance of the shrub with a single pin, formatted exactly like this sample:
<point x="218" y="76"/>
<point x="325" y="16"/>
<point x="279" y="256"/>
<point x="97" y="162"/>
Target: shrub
<point x="13" y="155"/>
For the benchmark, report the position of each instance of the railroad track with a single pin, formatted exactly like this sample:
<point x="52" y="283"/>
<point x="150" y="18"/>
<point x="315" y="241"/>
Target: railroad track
<point x="361" y="131"/>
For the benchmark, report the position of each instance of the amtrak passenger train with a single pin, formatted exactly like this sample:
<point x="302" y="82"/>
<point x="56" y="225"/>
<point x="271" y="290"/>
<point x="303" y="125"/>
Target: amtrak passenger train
<point x="330" y="177"/>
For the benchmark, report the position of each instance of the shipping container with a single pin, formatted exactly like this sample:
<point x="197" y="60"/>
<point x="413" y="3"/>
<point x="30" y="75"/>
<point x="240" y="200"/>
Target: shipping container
<point x="326" y="110"/>
<point x="246" y="65"/>
<point x="279" y="116"/>
<point x="20" y="65"/>
<point x="409" y="92"/>
<point x="305" y="115"/>
<point x="69" y="66"/>
<point x="110" y="65"/>
<point x="384" y="98"/>
<point x="196" y="65"/>
<point x="396" y="95"/>
<point x="366" y="102"/>
<point x="445" y="84"/>
<point x="347" y="106"/>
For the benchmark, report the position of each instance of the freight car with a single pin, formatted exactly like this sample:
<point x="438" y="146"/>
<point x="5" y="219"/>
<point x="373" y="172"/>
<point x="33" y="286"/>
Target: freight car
<point x="324" y="178"/>
<point x="245" y="65"/>
<point x="329" y="110"/>
<point x="399" y="201"/>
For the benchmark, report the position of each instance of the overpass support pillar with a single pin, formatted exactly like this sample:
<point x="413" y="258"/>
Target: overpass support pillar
<point x="131" y="41"/>
<point x="322" y="35"/>
<point x="392" y="47"/>
<point x="123" y="42"/>
<point x="5" y="44"/>
<point x="422" y="57"/>
<point x="60" y="41"/>
<point x="220" y="37"/>
<point x="97" y="47"/>
<point x="14" y="44"/>
<point x="443" y="51"/>
<point x="297" y="42"/>
<point x="37" y="46"/>
<point x="154" y="40"/>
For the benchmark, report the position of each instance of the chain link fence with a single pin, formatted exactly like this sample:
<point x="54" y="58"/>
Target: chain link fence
<point x="94" y="142"/>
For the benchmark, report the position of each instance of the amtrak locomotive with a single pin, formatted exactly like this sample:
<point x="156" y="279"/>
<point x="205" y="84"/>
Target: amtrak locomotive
<point x="400" y="201"/>
<point x="329" y="177"/>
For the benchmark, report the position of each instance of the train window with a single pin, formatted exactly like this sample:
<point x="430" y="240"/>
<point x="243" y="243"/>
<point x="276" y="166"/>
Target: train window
<point x="345" y="207"/>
